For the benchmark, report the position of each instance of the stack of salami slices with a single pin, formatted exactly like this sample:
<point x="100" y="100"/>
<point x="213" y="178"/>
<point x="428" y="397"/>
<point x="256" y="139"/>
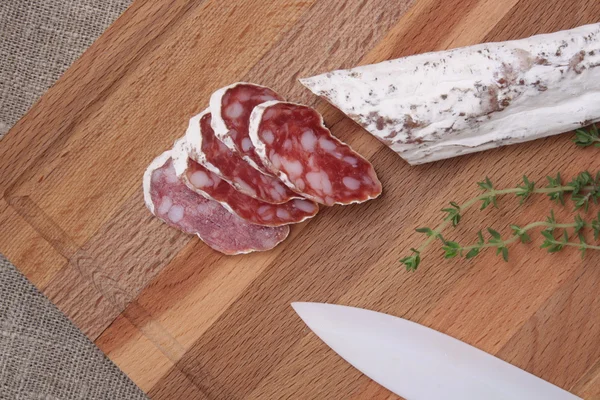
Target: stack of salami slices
<point x="249" y="166"/>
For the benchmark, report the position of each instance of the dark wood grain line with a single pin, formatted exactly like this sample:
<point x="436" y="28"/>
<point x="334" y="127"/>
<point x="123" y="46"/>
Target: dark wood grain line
<point x="176" y="385"/>
<point x="44" y="225"/>
<point x="425" y="29"/>
<point x="523" y="19"/>
<point x="139" y="317"/>
<point x="561" y="341"/>
<point x="182" y="276"/>
<point x="588" y="387"/>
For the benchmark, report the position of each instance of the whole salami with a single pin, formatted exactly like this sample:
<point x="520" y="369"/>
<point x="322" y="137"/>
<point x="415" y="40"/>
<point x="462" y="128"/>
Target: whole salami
<point x="170" y="200"/>
<point x="438" y="105"/>
<point x="209" y="185"/>
<point x="294" y="144"/>
<point x="231" y="107"/>
<point x="206" y="149"/>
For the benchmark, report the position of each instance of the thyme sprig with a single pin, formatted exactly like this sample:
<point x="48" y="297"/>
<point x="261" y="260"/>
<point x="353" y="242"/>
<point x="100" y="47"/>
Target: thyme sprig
<point x="586" y="138"/>
<point x="583" y="189"/>
<point x="520" y="234"/>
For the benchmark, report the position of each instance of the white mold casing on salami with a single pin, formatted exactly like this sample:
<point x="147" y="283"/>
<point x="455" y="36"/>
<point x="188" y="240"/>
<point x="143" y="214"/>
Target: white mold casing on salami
<point x="193" y="143"/>
<point x="157" y="163"/>
<point x="255" y="121"/>
<point x="217" y="123"/>
<point x="439" y="105"/>
<point x="213" y="224"/>
<point x="220" y="127"/>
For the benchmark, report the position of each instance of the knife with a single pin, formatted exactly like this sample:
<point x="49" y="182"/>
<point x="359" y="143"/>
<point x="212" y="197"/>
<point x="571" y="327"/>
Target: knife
<point x="419" y="363"/>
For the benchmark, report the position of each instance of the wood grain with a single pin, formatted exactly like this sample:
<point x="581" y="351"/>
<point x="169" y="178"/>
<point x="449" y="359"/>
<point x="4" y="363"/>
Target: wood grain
<point x="186" y="322"/>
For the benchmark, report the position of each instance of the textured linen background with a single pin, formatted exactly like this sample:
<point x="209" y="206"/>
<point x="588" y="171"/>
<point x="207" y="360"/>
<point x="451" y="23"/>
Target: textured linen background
<point x="43" y="355"/>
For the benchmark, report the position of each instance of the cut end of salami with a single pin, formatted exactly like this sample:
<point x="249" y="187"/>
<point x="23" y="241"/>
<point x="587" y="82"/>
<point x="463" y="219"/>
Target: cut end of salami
<point x="295" y="145"/>
<point x="231" y="107"/>
<point x="211" y="186"/>
<point x="168" y="198"/>
<point x="205" y="148"/>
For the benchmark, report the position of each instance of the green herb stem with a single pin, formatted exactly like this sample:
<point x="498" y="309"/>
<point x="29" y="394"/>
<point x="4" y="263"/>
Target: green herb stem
<point x="583" y="190"/>
<point x="529" y="227"/>
<point x="490" y="194"/>
<point x="574" y="244"/>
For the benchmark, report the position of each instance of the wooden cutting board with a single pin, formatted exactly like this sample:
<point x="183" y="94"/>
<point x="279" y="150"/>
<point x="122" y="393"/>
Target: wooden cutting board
<point x="186" y="322"/>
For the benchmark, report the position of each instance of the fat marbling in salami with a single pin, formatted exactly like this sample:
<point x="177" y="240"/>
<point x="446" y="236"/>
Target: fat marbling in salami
<point x="208" y="184"/>
<point x="294" y="144"/>
<point x="231" y="107"/>
<point x="204" y="147"/>
<point x="170" y="200"/>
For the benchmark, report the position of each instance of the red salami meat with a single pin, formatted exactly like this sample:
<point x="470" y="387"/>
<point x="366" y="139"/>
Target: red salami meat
<point x="170" y="200"/>
<point x="209" y="185"/>
<point x="231" y="107"/>
<point x="293" y="143"/>
<point x="205" y="148"/>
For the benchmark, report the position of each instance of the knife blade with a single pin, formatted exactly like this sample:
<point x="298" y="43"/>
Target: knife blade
<point x="419" y="363"/>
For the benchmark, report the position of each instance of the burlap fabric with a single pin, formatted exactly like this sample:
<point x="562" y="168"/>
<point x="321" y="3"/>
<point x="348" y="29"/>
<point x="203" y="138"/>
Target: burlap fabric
<point x="39" y="40"/>
<point x="43" y="355"/>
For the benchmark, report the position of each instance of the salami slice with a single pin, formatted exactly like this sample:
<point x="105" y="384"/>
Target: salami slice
<point x="206" y="149"/>
<point x="231" y="107"/>
<point x="294" y="144"/>
<point x="209" y="185"/>
<point x="439" y="105"/>
<point x="170" y="200"/>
